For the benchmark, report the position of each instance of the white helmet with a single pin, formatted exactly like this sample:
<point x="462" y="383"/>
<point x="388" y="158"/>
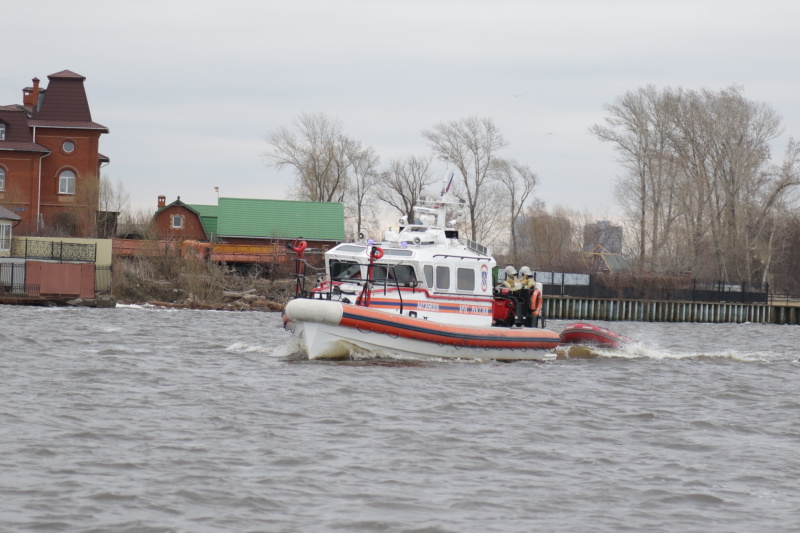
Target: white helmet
<point x="525" y="271"/>
<point x="511" y="271"/>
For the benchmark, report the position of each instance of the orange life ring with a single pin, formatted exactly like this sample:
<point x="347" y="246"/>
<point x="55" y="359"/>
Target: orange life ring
<point x="536" y="302"/>
<point x="376" y="253"/>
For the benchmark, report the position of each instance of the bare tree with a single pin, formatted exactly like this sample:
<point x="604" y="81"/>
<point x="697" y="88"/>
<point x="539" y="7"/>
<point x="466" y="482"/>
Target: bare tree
<point x="728" y="163"/>
<point x="700" y="183"/>
<point x="363" y="163"/>
<point x="317" y="153"/>
<point x="519" y="181"/>
<point x="403" y="182"/>
<point x="638" y="125"/>
<point x="471" y="145"/>
<point x="113" y="197"/>
<point x="551" y="239"/>
<point x="112" y="201"/>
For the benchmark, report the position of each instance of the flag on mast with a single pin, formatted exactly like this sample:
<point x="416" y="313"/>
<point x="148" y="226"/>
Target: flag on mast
<point x="449" y="184"/>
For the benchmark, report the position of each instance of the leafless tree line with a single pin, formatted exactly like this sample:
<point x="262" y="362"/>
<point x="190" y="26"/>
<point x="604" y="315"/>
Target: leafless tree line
<point x="701" y="191"/>
<point x="329" y="166"/>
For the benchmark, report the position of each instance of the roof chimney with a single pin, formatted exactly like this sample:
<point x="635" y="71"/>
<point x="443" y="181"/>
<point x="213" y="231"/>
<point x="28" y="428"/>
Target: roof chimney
<point x="30" y="95"/>
<point x="162" y="201"/>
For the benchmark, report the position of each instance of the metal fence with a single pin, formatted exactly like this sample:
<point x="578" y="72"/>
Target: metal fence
<point x="53" y="250"/>
<point x="648" y="289"/>
<point x="12" y="282"/>
<point x="12" y="277"/>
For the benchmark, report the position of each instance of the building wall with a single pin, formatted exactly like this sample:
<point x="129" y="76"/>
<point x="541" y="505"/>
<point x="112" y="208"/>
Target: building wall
<point x="19" y="195"/>
<point x="83" y="161"/>
<point x="61" y="279"/>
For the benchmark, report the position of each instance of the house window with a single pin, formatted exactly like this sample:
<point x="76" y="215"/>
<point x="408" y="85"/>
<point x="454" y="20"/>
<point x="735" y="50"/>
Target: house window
<point x="68" y="146"/>
<point x="5" y="236"/>
<point x="66" y="182"/>
<point x="2" y="179"/>
<point x="2" y="131"/>
<point x="177" y="221"/>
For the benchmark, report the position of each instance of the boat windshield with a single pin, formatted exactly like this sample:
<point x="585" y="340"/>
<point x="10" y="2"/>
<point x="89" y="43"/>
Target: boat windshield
<point x="345" y="270"/>
<point x="402" y="274"/>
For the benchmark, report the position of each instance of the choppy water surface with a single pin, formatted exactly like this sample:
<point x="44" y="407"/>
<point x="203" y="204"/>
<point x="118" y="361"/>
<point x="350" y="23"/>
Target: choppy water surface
<point x="150" y="420"/>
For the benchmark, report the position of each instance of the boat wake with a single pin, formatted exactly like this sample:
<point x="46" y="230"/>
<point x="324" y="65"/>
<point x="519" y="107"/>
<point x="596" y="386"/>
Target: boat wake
<point x="273" y="351"/>
<point x="642" y="351"/>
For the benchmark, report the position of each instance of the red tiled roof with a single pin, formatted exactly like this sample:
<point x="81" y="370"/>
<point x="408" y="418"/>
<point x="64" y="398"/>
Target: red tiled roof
<point x="17" y="124"/>
<point x="67" y="124"/>
<point x="65" y="99"/>
<point x="22" y="147"/>
<point x="66" y="74"/>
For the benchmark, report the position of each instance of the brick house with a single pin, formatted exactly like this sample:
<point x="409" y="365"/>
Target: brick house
<point x="178" y="221"/>
<point x="49" y="158"/>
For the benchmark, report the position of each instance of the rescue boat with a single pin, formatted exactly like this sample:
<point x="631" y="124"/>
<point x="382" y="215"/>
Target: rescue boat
<point x="420" y="292"/>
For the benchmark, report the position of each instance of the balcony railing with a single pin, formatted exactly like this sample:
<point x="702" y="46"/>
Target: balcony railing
<point x="53" y="250"/>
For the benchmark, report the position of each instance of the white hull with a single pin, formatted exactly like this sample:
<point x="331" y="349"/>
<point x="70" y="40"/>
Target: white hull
<point x="317" y="324"/>
<point x="326" y="341"/>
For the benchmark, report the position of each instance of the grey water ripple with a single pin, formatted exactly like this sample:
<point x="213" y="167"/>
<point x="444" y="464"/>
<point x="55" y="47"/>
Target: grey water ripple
<point x="148" y="420"/>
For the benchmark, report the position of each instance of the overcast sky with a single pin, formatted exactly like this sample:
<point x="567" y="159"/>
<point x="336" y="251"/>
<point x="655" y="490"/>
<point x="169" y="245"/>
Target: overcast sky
<point x="190" y="89"/>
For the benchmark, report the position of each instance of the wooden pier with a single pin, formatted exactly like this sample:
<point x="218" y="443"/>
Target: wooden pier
<point x="567" y="308"/>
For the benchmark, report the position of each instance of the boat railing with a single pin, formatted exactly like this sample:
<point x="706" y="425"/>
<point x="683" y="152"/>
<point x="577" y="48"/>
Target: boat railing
<point x="452" y="256"/>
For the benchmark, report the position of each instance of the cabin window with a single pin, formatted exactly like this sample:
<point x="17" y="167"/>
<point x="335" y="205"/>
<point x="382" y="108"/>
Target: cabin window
<point x="427" y="271"/>
<point x="345" y="270"/>
<point x="465" y="279"/>
<point x="5" y="236"/>
<point x="177" y="221"/>
<point x="402" y="274"/>
<point x="442" y="277"/>
<point x="66" y="182"/>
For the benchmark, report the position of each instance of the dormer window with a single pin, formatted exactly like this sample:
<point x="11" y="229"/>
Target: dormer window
<point x="177" y="221"/>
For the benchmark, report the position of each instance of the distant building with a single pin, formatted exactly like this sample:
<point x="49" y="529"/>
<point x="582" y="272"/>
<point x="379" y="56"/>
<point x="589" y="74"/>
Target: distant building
<point x="49" y="158"/>
<point x="251" y="221"/>
<point x="603" y="234"/>
<point x="602" y="247"/>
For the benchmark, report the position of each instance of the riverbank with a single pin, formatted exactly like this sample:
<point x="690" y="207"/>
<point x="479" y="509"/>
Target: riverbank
<point x="194" y="284"/>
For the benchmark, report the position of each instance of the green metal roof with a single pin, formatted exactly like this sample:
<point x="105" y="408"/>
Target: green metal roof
<point x="208" y="217"/>
<point x="280" y="219"/>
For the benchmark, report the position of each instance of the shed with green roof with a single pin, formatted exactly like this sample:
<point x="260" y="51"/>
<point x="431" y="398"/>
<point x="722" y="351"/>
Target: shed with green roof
<point x="279" y="219"/>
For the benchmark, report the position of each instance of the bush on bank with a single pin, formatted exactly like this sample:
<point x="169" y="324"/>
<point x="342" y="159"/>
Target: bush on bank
<point x="195" y="283"/>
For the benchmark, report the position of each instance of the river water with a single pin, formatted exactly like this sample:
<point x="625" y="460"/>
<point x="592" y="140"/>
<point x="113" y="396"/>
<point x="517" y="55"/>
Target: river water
<point x="152" y="420"/>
